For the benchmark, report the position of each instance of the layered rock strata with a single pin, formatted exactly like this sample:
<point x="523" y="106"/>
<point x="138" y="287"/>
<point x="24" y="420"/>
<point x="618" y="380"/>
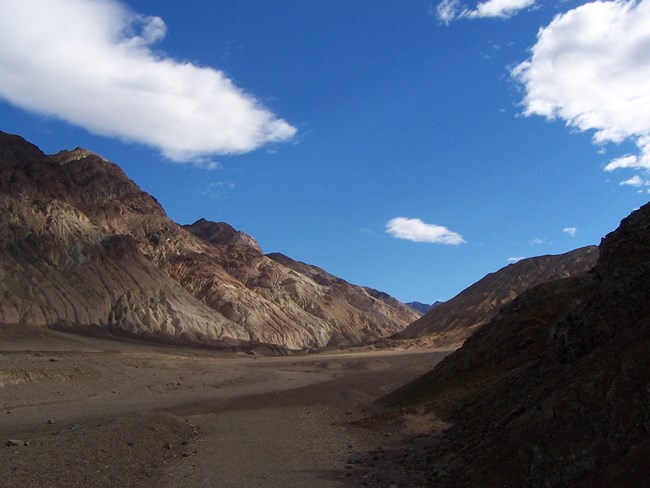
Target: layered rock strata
<point x="83" y="246"/>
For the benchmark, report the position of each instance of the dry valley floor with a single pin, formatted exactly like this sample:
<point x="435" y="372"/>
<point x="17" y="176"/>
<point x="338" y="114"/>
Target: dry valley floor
<point x="92" y="412"/>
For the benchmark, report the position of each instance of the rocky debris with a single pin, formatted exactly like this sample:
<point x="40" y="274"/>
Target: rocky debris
<point x="16" y="443"/>
<point x="451" y="322"/>
<point x="125" y="451"/>
<point x="82" y="247"/>
<point x="554" y="391"/>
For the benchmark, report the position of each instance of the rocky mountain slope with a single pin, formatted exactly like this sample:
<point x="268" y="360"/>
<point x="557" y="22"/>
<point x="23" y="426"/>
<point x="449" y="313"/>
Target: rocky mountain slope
<point x="555" y="390"/>
<point x="83" y="246"/>
<point x="452" y="322"/>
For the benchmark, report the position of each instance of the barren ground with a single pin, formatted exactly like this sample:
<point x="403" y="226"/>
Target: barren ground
<point x="97" y="412"/>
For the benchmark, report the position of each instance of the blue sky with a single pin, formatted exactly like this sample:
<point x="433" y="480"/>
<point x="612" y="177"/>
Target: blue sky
<point x="408" y="146"/>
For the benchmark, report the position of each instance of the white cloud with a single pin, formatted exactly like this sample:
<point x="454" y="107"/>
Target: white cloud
<point x="537" y="241"/>
<point x="449" y="10"/>
<point x="514" y="259"/>
<point x="590" y="67"/>
<point x="418" y="231"/>
<point x="91" y="63"/>
<point x="636" y="180"/>
<point x="500" y="8"/>
<point x="572" y="231"/>
<point x="628" y="161"/>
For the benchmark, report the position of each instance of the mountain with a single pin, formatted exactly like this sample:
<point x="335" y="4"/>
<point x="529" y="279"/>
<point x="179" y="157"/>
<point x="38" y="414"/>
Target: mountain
<point x="219" y="233"/>
<point x="555" y="390"/>
<point x="83" y="247"/>
<point x="423" y="308"/>
<point x="452" y="322"/>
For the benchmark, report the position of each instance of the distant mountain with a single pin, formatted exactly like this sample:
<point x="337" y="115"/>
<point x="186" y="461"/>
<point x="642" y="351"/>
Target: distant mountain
<point x="386" y="298"/>
<point x="555" y="390"/>
<point x="423" y="307"/>
<point x="452" y="322"/>
<point x="83" y="247"/>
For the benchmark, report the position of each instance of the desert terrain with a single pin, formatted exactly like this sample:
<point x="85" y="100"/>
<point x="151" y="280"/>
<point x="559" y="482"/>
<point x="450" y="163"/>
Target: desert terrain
<point x="88" y="411"/>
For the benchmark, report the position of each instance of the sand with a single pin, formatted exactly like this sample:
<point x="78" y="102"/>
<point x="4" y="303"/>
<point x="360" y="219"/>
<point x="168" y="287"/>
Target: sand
<point x="98" y="412"/>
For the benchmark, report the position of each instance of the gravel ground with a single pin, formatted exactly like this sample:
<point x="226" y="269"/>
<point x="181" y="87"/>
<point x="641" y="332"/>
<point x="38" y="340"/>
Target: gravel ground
<point x="100" y="413"/>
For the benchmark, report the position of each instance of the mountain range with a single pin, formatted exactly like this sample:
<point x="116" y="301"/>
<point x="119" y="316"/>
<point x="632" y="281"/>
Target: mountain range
<point x="83" y="247"/>
<point x="423" y="307"/>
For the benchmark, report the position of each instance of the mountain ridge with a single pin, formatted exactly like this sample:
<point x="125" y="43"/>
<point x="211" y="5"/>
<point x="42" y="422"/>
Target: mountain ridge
<point x="83" y="246"/>
<point x="423" y="308"/>
<point x="451" y="322"/>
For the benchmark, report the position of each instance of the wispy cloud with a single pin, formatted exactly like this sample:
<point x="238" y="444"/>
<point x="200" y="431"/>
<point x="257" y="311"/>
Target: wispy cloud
<point x="590" y="68"/>
<point x="418" y="231"/>
<point x="499" y="8"/>
<point x="627" y="161"/>
<point x="93" y="64"/>
<point x="536" y="241"/>
<point x="206" y="163"/>
<point x="449" y="10"/>
<point x="571" y="231"/>
<point x="636" y="181"/>
<point x="217" y="189"/>
<point x="446" y="10"/>
<point x="514" y="259"/>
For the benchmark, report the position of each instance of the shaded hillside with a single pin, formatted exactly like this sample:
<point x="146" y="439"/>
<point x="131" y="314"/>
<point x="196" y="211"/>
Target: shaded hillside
<point x="555" y="390"/>
<point x="83" y="246"/>
<point x="453" y="321"/>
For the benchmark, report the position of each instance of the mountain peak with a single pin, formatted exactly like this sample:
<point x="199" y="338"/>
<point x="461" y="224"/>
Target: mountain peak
<point x="16" y="151"/>
<point x="217" y="233"/>
<point x="66" y="156"/>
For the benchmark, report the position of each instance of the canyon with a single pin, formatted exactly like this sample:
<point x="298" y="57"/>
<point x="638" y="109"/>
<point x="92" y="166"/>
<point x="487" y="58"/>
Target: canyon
<point x="138" y="352"/>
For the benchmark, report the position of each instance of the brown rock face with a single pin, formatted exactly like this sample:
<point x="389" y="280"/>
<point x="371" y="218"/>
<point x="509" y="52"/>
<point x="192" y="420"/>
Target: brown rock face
<point x="83" y="246"/>
<point x="221" y="233"/>
<point x="453" y="321"/>
<point x="555" y="390"/>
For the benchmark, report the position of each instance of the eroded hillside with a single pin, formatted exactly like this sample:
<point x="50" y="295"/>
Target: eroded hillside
<point x="82" y="246"/>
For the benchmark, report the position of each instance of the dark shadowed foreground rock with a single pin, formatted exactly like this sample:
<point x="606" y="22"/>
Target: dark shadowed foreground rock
<point x="555" y="390"/>
<point x="83" y="247"/>
<point x="450" y="323"/>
